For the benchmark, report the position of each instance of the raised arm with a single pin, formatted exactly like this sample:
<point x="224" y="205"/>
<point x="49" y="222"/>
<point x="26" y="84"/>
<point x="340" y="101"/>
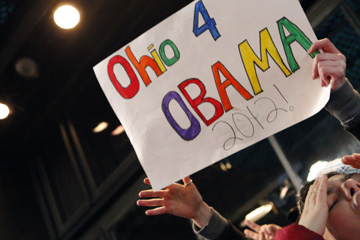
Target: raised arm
<point x="330" y="67"/>
<point x="182" y="200"/>
<point x="316" y="209"/>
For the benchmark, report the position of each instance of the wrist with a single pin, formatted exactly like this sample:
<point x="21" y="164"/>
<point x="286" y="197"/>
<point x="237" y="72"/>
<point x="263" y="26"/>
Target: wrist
<point x="202" y="216"/>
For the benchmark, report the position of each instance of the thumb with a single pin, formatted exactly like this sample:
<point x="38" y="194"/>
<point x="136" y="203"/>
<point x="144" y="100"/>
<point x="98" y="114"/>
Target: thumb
<point x="187" y="180"/>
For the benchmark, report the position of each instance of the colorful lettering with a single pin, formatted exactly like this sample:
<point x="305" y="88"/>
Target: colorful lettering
<point x="175" y="58"/>
<point x="157" y="58"/>
<point x="295" y="35"/>
<point x="133" y="87"/>
<point x="209" y="24"/>
<point x="187" y="134"/>
<point x="200" y="99"/>
<point x="230" y="80"/>
<point x="145" y="61"/>
<point x="249" y="59"/>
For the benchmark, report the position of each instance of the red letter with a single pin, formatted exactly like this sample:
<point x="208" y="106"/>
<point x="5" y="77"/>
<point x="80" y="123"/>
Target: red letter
<point x="200" y="99"/>
<point x="229" y="81"/>
<point x="133" y="88"/>
<point x="145" y="61"/>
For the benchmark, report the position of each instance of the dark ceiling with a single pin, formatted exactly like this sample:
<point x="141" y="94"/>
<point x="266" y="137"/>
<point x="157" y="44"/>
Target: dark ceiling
<point x="65" y="59"/>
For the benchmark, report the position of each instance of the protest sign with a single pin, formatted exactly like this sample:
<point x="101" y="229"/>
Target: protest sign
<point x="210" y="80"/>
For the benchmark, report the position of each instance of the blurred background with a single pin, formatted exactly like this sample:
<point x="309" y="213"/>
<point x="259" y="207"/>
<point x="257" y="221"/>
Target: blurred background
<point x="67" y="168"/>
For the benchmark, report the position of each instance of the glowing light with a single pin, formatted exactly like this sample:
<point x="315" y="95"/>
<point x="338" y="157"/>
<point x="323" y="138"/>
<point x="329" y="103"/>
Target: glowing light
<point x="100" y="127"/>
<point x="117" y="131"/>
<point x="259" y="213"/>
<point x="4" y="111"/>
<point x="66" y="17"/>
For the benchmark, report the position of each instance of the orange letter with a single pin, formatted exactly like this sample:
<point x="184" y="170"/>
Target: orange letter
<point x="230" y="80"/>
<point x="145" y="61"/>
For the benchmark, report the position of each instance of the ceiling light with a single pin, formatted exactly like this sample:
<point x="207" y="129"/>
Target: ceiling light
<point x="4" y="111"/>
<point x="66" y="17"/>
<point x="26" y="67"/>
<point x="117" y="131"/>
<point x="285" y="189"/>
<point x="258" y="213"/>
<point x="100" y="127"/>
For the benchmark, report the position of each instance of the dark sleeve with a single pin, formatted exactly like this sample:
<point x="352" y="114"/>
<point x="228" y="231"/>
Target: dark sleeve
<point x="344" y="104"/>
<point x="218" y="228"/>
<point x="296" y="232"/>
<point x="231" y="233"/>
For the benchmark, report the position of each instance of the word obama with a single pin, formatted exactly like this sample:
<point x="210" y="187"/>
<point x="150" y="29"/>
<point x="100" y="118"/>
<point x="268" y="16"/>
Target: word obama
<point x="289" y="33"/>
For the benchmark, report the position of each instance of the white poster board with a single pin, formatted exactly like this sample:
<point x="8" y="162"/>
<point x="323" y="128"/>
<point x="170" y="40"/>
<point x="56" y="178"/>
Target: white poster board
<point x="210" y="80"/>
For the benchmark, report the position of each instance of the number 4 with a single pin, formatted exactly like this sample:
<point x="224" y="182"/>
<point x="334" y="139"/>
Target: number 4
<point x="209" y="22"/>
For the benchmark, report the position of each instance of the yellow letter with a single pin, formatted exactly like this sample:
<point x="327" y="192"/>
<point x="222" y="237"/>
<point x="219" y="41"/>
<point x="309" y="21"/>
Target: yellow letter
<point x="249" y="59"/>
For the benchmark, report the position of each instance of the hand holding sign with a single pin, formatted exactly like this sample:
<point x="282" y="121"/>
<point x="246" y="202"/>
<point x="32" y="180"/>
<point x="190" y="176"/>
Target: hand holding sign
<point x="330" y="65"/>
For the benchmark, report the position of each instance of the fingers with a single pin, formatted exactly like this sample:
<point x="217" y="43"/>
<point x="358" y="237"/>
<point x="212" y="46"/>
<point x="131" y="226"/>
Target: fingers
<point x="251" y="234"/>
<point x="322" y="189"/>
<point x="328" y="60"/>
<point x="262" y="235"/>
<point x="156" y="211"/>
<point x="317" y="193"/>
<point x="150" y="202"/>
<point x="330" y="68"/>
<point x="157" y="198"/>
<point x="187" y="180"/>
<point x="325" y="44"/>
<point x="252" y="225"/>
<point x="352" y="160"/>
<point x="270" y="229"/>
<point x="147" y="181"/>
<point x="316" y="211"/>
<point x="151" y="194"/>
<point x="266" y="231"/>
<point x="311" y="198"/>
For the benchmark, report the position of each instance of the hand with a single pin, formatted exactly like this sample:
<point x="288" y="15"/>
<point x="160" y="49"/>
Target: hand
<point x="352" y="160"/>
<point x="179" y="200"/>
<point x="263" y="232"/>
<point x="330" y="65"/>
<point x="316" y="209"/>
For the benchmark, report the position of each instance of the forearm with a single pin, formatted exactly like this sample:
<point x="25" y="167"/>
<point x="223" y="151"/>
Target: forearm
<point x="344" y="104"/>
<point x="218" y="227"/>
<point x="203" y="215"/>
<point x="213" y="228"/>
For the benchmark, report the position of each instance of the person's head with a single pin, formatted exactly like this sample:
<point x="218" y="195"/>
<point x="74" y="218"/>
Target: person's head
<point x="343" y="199"/>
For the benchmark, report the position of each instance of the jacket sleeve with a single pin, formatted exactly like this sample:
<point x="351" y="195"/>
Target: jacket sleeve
<point x="344" y="104"/>
<point x="218" y="228"/>
<point x="296" y="232"/>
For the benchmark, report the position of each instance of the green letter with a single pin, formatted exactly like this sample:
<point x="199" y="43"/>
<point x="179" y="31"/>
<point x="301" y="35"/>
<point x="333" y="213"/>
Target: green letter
<point x="295" y="35"/>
